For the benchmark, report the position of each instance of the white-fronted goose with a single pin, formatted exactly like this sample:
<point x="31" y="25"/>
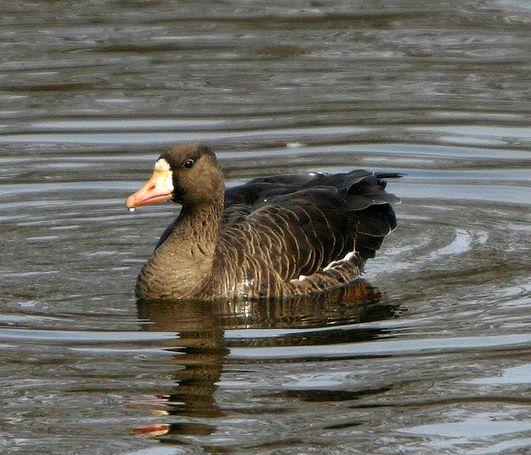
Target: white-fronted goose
<point x="280" y="236"/>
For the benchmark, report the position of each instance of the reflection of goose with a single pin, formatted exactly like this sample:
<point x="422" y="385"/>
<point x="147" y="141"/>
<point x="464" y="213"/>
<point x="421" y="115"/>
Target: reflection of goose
<point x="357" y="302"/>
<point x="198" y="363"/>
<point x="203" y="343"/>
<point x="279" y="236"/>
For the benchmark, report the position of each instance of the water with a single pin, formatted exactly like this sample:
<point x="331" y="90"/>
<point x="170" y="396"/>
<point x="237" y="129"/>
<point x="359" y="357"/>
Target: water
<point x="435" y="359"/>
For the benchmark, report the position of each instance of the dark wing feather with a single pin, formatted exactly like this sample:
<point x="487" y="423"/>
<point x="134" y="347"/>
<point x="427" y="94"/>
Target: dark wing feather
<point x="291" y="235"/>
<point x="357" y="182"/>
<point x="290" y="225"/>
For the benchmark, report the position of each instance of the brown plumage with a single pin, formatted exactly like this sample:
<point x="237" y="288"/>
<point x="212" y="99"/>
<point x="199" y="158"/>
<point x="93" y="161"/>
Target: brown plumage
<point x="281" y="236"/>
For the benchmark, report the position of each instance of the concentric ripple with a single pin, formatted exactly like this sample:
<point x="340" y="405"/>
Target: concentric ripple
<point x="429" y="354"/>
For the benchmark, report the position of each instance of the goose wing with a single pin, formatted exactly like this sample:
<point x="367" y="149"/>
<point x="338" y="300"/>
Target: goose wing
<point x="279" y="228"/>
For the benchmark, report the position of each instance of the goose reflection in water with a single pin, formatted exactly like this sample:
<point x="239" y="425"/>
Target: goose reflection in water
<point x="204" y="344"/>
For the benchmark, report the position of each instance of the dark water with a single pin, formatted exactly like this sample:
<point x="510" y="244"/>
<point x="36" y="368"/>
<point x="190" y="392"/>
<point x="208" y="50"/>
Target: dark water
<point x="435" y="361"/>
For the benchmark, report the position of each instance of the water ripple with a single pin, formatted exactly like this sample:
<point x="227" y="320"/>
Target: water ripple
<point x="434" y="359"/>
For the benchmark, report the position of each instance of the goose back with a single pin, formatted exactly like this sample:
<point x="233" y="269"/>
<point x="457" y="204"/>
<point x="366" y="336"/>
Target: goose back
<point x="295" y="234"/>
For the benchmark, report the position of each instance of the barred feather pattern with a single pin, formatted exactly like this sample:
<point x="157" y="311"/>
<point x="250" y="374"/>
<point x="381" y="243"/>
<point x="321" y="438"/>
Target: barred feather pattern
<point x="284" y="241"/>
<point x="281" y="236"/>
<point x="293" y="242"/>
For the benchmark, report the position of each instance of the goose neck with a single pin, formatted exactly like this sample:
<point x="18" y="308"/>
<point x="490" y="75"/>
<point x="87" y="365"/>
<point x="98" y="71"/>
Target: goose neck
<point x="199" y="225"/>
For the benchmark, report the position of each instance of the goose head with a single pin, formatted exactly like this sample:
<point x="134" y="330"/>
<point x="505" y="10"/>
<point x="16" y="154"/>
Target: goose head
<point x="187" y="174"/>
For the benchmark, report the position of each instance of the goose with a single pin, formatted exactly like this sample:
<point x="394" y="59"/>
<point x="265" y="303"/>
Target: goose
<point x="273" y="237"/>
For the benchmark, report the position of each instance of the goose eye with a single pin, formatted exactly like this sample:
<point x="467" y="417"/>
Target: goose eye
<point x="188" y="163"/>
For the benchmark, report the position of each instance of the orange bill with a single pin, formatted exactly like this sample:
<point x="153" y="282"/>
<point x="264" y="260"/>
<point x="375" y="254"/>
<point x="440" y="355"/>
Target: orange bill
<point x="158" y="188"/>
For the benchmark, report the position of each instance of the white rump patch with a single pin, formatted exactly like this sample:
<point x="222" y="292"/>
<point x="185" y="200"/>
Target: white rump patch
<point x="347" y="258"/>
<point x="301" y="278"/>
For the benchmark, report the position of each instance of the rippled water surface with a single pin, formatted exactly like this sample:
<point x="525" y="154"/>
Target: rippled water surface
<point x="433" y="359"/>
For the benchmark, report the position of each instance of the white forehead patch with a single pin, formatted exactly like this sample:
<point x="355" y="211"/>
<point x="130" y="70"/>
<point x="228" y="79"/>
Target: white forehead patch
<point x="162" y="165"/>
